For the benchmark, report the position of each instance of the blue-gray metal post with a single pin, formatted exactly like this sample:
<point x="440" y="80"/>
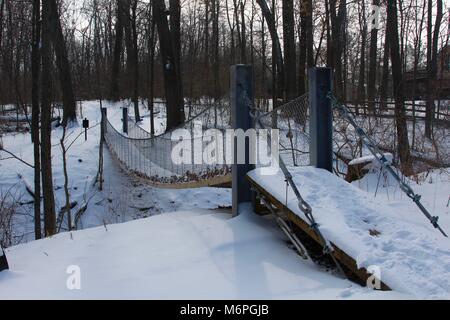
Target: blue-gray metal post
<point x="125" y="120"/>
<point x="241" y="96"/>
<point x="321" y="118"/>
<point x="3" y="261"/>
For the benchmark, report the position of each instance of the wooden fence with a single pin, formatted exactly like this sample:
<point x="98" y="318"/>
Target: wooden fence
<point x="414" y="112"/>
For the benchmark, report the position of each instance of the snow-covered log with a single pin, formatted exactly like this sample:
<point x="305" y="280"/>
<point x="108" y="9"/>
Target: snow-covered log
<point x="359" y="167"/>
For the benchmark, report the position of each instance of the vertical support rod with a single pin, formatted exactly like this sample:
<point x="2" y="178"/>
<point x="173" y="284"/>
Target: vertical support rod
<point x="125" y="120"/>
<point x="3" y="261"/>
<point x="321" y="118"/>
<point x="241" y="96"/>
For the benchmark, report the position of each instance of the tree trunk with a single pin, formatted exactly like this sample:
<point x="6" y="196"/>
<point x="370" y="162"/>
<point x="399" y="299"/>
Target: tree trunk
<point x="302" y="49"/>
<point x="430" y="103"/>
<point x="2" y="8"/>
<point x="362" y="62"/>
<point x="373" y="57"/>
<point x="67" y="209"/>
<point x="151" y="95"/>
<point x="330" y="57"/>
<point x="62" y="62"/>
<point x="175" y="36"/>
<point x="169" y="60"/>
<point x="216" y="11"/>
<point x="115" y="88"/>
<point x="263" y="61"/>
<point x="35" y="75"/>
<point x="338" y="21"/>
<point x="432" y="52"/>
<point x="384" y="85"/>
<point x="46" y="105"/>
<point x="400" y="114"/>
<point x="135" y="62"/>
<point x="309" y="34"/>
<point x="289" y="50"/>
<point x="243" y="36"/>
<point x="277" y="53"/>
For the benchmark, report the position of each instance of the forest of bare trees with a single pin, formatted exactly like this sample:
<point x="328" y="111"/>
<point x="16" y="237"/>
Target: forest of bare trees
<point x="131" y="48"/>
<point x="54" y="53"/>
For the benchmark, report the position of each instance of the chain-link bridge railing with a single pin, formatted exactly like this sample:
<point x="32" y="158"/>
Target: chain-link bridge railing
<point x="292" y="122"/>
<point x="153" y="158"/>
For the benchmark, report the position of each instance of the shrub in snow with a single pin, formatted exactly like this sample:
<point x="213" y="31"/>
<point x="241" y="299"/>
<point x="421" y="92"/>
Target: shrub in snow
<point x="3" y="261"/>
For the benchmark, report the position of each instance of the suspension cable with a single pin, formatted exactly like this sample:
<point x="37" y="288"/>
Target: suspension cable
<point x="303" y="205"/>
<point x="347" y="115"/>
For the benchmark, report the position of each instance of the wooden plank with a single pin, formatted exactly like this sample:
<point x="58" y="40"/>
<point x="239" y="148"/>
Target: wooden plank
<point x="213" y="182"/>
<point x="339" y="254"/>
<point x="218" y="181"/>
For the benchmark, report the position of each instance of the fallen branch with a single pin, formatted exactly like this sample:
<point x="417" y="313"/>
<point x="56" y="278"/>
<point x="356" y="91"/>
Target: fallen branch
<point x="15" y="157"/>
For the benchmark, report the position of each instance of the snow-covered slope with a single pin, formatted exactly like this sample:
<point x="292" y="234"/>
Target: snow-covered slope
<point x="184" y="255"/>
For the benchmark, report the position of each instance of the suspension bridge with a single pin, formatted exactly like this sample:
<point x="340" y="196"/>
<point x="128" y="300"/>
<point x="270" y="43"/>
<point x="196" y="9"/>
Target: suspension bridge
<point x="307" y="202"/>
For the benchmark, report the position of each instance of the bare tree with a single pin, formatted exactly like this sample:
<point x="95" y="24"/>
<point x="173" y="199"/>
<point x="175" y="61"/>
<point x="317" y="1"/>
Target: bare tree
<point x="35" y="130"/>
<point x="151" y="69"/>
<point x="62" y="62"/>
<point x="362" y="61"/>
<point x="400" y="114"/>
<point x="373" y="61"/>
<point x="46" y="106"/>
<point x="115" y="89"/>
<point x="290" y="57"/>
<point x="277" y="53"/>
<point x="170" y="60"/>
<point x="432" y="51"/>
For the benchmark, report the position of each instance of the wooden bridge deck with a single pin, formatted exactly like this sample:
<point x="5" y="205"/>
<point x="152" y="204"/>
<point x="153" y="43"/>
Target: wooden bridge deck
<point x="359" y="275"/>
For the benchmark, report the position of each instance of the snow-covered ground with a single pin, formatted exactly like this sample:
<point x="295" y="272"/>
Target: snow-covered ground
<point x="185" y="255"/>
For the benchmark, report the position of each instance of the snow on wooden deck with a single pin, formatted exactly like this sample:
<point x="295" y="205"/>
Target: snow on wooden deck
<point x="413" y="257"/>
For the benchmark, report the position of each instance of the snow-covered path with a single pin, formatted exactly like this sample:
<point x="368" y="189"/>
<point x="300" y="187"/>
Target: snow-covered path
<point x="184" y="255"/>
